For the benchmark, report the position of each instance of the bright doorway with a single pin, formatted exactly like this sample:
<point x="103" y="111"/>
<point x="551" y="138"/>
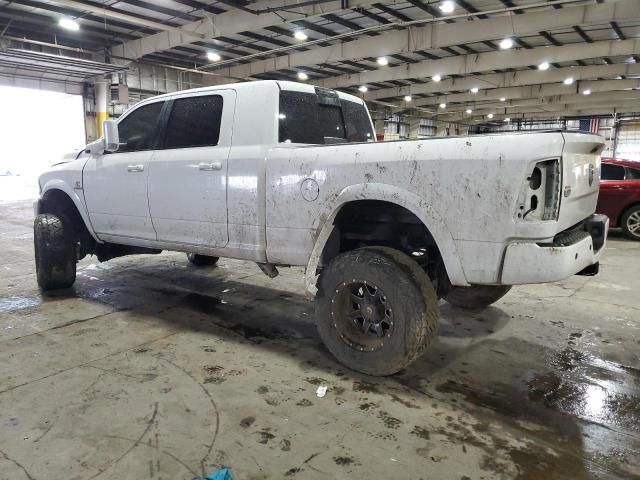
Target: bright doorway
<point x="37" y="127"/>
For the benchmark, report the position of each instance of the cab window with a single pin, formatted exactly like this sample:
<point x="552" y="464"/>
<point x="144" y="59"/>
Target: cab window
<point x="194" y="122"/>
<point x="137" y="131"/>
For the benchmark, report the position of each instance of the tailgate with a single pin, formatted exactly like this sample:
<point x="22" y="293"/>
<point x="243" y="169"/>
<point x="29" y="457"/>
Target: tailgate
<point x="580" y="177"/>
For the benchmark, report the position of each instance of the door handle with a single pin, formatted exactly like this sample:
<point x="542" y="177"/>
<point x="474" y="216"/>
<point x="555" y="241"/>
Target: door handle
<point x="135" y="168"/>
<point x="210" y="166"/>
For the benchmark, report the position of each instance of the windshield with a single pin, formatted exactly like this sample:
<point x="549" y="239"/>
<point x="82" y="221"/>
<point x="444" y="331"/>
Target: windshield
<point x="322" y="118"/>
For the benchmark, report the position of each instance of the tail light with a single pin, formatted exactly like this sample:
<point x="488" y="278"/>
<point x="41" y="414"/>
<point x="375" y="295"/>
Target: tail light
<point x="540" y="199"/>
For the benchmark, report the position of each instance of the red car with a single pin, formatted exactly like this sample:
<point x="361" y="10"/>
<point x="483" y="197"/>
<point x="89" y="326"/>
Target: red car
<point x="620" y="195"/>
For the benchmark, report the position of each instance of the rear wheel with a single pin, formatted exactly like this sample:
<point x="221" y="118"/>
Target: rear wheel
<point x="630" y="222"/>
<point x="201" y="260"/>
<point x="476" y="297"/>
<point x="376" y="310"/>
<point x="55" y="252"/>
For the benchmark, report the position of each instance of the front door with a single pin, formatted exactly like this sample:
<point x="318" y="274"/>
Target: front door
<point x="188" y="174"/>
<point x="115" y="184"/>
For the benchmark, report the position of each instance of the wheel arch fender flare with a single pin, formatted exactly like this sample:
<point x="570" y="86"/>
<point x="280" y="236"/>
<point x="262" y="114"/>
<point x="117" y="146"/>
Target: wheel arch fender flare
<point x="77" y="200"/>
<point x="625" y="210"/>
<point x="323" y="226"/>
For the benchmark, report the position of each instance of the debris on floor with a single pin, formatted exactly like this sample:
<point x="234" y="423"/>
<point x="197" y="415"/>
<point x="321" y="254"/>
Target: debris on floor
<point x="222" y="474"/>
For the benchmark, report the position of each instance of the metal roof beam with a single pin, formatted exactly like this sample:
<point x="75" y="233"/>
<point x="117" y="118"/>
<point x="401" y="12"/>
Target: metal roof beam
<point x="440" y="36"/>
<point x="392" y="11"/>
<point x="129" y="18"/>
<point x="154" y="7"/>
<point x="488" y="61"/>
<point x="510" y="79"/>
<point x="616" y="96"/>
<point x="558" y="109"/>
<point x="548" y="115"/>
<point x="227" y="23"/>
<point x="513" y="94"/>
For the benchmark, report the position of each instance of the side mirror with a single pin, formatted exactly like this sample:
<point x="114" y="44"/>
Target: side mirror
<point x="111" y="137"/>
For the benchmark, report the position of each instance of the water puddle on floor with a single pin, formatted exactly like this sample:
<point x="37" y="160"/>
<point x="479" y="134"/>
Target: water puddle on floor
<point x="589" y="388"/>
<point x="11" y="304"/>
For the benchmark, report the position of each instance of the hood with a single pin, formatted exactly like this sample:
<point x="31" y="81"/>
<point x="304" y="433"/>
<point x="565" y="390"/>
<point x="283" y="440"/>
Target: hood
<point x="68" y="157"/>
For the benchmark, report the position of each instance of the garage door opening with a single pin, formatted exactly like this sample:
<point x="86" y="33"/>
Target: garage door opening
<point x="37" y="127"/>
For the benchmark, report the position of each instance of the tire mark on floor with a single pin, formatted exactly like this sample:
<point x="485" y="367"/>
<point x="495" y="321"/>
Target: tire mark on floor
<point x="213" y="404"/>
<point x="17" y="464"/>
<point x="135" y="443"/>
<point x="85" y="364"/>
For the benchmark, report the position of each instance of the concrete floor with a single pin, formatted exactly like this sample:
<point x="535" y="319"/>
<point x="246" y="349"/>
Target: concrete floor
<point x="152" y="368"/>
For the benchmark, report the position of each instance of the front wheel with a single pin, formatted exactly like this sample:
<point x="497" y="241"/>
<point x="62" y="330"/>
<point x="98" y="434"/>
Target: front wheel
<point x="376" y="310"/>
<point x="201" y="260"/>
<point x="55" y="252"/>
<point x="630" y="223"/>
<point x="476" y="297"/>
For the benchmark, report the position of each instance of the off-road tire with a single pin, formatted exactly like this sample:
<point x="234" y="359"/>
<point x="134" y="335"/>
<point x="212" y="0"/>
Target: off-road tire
<point x="631" y="214"/>
<point x="55" y="252"/>
<point x="410" y="294"/>
<point x="201" y="260"/>
<point x="476" y="297"/>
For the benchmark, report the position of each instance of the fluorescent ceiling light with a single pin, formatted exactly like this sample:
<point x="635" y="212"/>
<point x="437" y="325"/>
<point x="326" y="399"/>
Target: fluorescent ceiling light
<point x="382" y="61"/>
<point x="468" y="110"/>
<point x="443" y="105"/>
<point x="213" y="56"/>
<point x="303" y="76"/>
<point x="475" y="90"/>
<point x="507" y="119"/>
<point x="490" y="115"/>
<point x="568" y="80"/>
<point x="69" y="24"/>
<point x="447" y="6"/>
<point x="586" y="92"/>
<point x="300" y="35"/>
<point x="407" y="98"/>
<point x="543" y="66"/>
<point x="503" y="99"/>
<point x="506" y="44"/>
<point x="436" y="78"/>
<point x="363" y="88"/>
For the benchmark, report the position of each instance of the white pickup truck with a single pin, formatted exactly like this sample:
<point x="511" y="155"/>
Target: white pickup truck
<point x="282" y="173"/>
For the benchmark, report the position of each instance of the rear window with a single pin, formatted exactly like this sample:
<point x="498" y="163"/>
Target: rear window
<point x="194" y="122"/>
<point x="633" y="174"/>
<point x="322" y="118"/>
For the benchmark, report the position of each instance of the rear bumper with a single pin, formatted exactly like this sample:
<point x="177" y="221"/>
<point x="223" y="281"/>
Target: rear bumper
<point x="571" y="252"/>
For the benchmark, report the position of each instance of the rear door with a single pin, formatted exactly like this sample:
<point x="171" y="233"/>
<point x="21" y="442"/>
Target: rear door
<point x="188" y="173"/>
<point x="613" y="191"/>
<point x="115" y="184"/>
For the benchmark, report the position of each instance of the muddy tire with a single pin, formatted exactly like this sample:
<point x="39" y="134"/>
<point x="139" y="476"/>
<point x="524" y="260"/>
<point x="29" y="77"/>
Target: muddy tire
<point x="476" y="297"/>
<point x="630" y="223"/>
<point x="55" y="252"/>
<point x="201" y="260"/>
<point x="376" y="310"/>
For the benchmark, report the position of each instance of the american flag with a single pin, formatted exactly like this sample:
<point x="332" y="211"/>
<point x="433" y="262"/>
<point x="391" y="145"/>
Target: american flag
<point x="591" y="125"/>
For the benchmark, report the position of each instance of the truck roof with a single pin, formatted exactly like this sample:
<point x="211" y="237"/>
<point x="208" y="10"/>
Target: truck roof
<point x="239" y="86"/>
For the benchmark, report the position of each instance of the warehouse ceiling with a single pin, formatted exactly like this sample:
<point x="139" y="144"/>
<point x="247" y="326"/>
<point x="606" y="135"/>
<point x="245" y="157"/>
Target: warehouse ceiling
<point x="484" y="60"/>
